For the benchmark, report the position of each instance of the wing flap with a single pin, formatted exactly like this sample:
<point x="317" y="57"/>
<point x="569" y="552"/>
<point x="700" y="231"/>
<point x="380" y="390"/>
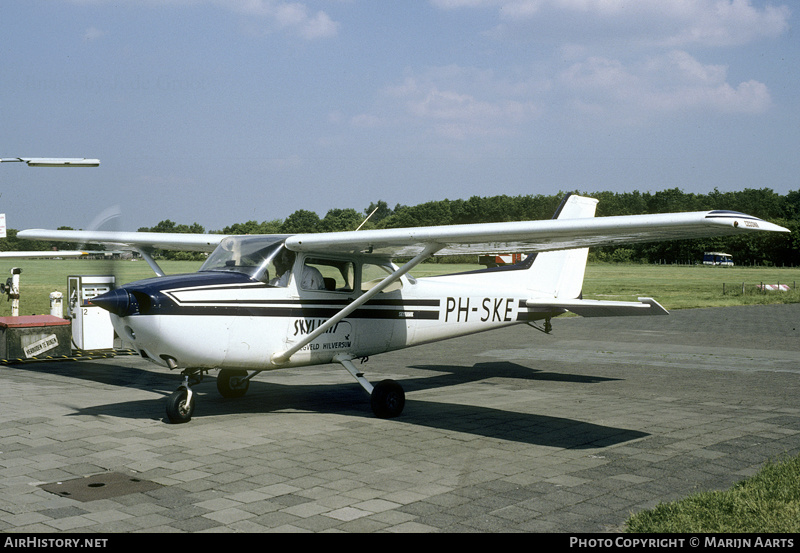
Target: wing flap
<point x="603" y="308"/>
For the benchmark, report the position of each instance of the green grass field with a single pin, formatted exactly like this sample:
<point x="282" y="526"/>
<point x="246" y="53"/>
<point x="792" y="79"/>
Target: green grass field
<point x="40" y="277"/>
<point x="766" y="503"/>
<point x="689" y="286"/>
<point x="674" y="286"/>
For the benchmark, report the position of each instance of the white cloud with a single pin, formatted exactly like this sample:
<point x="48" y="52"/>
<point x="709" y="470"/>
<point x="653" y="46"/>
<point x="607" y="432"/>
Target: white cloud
<point x="93" y="33"/>
<point x="286" y="15"/>
<point x="672" y="23"/>
<point x="366" y="120"/>
<point x="662" y="85"/>
<point x="464" y="103"/>
<point x="275" y="14"/>
<point x="630" y="60"/>
<point x="457" y="102"/>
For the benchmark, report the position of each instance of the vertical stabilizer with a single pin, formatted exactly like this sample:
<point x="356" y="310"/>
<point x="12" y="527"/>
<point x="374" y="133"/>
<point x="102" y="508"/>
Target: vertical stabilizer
<point x="559" y="274"/>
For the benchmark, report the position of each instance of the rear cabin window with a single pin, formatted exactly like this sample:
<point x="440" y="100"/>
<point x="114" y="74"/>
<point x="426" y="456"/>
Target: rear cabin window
<point x="327" y="274"/>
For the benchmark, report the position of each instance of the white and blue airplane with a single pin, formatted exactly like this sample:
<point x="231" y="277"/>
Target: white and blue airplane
<point x="266" y="302"/>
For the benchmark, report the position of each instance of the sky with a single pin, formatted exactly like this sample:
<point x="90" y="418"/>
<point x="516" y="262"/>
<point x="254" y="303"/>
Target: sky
<point x="224" y="111"/>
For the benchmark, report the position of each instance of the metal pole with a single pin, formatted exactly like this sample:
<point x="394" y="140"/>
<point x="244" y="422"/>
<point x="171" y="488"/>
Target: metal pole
<point x="13" y="294"/>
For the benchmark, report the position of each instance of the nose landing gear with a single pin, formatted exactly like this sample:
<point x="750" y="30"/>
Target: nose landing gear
<point x="387" y="397"/>
<point x="180" y="405"/>
<point x="231" y="383"/>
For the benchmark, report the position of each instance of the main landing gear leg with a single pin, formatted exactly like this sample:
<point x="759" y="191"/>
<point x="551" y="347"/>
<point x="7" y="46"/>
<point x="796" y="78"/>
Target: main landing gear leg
<point x="232" y="383"/>
<point x="180" y="405"/>
<point x="386" y="397"/>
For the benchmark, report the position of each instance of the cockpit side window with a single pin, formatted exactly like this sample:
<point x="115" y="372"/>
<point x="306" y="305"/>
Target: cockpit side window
<point x="281" y="267"/>
<point x="372" y="274"/>
<point x="251" y="255"/>
<point x="334" y="275"/>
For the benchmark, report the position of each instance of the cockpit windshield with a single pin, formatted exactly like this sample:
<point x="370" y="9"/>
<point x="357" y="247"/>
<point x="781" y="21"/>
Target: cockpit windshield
<point x="250" y="255"/>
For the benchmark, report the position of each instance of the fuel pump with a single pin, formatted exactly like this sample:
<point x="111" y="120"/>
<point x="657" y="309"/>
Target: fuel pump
<point x="91" y="325"/>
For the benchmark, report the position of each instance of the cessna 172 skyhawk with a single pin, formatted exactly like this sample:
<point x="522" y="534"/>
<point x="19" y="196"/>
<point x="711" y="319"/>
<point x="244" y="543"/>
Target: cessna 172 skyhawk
<point x="267" y="302"/>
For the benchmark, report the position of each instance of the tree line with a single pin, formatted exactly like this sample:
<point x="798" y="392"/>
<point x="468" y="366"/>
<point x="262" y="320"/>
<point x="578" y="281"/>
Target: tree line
<point x="756" y="249"/>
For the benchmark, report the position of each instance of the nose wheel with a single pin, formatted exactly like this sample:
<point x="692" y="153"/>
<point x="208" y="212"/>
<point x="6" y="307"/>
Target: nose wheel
<point x="180" y="405"/>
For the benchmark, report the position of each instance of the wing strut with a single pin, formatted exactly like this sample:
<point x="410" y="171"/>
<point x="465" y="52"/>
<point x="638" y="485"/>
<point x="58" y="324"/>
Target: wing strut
<point x="282" y="357"/>
<point x="152" y="262"/>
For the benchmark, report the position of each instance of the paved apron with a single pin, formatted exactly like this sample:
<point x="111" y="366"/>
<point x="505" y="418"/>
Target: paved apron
<point x="507" y="431"/>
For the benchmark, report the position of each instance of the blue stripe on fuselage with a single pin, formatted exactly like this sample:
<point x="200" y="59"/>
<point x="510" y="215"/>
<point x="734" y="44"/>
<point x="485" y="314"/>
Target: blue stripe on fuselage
<point x="160" y="290"/>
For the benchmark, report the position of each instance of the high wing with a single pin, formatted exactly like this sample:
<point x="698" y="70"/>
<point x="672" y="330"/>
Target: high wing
<point x="576" y="232"/>
<point x="526" y="236"/>
<point x="129" y="240"/>
<point x="31" y="254"/>
<point x="142" y="242"/>
<point x="533" y="236"/>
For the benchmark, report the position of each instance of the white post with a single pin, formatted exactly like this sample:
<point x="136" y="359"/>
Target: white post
<point x="13" y="294"/>
<point x="57" y="304"/>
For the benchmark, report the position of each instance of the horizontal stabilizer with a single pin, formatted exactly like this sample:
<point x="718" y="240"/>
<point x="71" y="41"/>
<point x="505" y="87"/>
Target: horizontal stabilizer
<point x="601" y="308"/>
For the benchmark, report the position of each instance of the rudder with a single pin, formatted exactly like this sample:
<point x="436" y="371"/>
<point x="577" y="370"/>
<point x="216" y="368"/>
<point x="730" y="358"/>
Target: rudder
<point x="559" y="274"/>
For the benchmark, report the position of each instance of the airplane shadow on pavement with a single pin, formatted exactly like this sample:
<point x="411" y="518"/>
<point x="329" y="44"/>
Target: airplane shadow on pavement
<point x="348" y="399"/>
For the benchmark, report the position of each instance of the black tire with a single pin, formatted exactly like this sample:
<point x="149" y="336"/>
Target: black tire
<point x="178" y="411"/>
<point x="230" y="383"/>
<point x="387" y="399"/>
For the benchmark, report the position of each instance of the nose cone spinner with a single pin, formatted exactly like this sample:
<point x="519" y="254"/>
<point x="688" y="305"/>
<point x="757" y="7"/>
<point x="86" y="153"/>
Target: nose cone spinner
<point x="119" y="302"/>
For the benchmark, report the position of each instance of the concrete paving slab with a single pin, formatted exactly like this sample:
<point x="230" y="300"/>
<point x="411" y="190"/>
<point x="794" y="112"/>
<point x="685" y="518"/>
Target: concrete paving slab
<point x="504" y="431"/>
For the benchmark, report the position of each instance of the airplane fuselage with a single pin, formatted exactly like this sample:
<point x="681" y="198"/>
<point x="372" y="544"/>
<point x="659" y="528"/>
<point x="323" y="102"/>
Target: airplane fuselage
<point x="265" y="302"/>
<point x="227" y="320"/>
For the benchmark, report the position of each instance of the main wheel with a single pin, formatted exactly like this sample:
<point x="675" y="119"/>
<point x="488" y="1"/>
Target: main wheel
<point x="232" y="383"/>
<point x="179" y="410"/>
<point x="387" y="399"/>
